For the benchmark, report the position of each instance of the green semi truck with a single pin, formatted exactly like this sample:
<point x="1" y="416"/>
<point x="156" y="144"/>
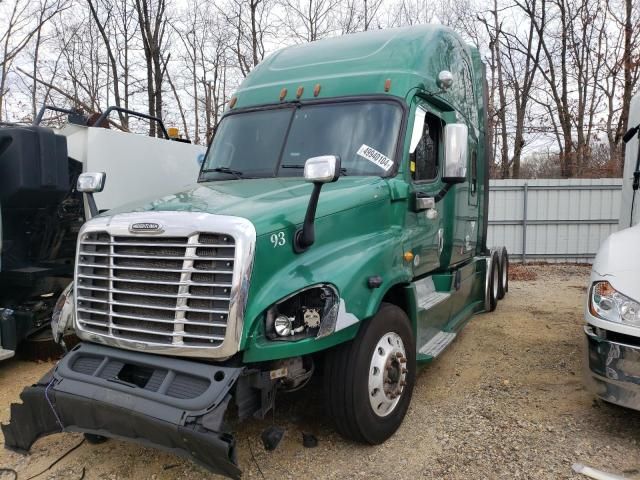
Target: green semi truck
<point x="338" y="228"/>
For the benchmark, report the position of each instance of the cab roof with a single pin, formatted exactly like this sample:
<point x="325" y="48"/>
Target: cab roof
<point x="360" y="64"/>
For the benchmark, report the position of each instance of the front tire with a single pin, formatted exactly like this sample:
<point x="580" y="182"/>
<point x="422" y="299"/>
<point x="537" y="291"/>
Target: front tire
<point x="369" y="381"/>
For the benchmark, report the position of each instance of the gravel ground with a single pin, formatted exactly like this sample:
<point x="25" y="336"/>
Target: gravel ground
<point x="504" y="401"/>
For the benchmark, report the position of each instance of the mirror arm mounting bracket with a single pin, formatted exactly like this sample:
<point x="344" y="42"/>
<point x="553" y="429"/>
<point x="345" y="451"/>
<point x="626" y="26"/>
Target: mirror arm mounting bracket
<point x="305" y="236"/>
<point x="91" y="203"/>
<point x="440" y="195"/>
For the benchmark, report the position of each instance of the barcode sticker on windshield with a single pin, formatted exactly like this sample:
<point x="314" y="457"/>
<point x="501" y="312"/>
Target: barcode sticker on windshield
<point x="376" y="157"/>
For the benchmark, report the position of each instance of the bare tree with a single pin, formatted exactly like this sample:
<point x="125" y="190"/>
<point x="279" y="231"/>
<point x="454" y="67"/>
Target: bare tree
<point x="103" y="23"/>
<point x="152" y="18"/>
<point x="19" y="29"/>
<point x="251" y="23"/>
<point x="310" y="20"/>
<point x="522" y="55"/>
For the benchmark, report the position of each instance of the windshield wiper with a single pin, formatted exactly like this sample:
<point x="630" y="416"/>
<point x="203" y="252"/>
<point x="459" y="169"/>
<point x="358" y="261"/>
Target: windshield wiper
<point x="343" y="171"/>
<point x="227" y="170"/>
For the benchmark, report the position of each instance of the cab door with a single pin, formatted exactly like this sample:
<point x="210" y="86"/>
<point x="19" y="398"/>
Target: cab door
<point x="425" y="218"/>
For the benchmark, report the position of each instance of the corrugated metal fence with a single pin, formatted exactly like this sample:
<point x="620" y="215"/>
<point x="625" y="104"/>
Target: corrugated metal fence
<point x="553" y="220"/>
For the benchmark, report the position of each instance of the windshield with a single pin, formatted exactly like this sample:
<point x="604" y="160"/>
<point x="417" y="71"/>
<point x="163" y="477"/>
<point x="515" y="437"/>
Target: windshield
<point x="277" y="142"/>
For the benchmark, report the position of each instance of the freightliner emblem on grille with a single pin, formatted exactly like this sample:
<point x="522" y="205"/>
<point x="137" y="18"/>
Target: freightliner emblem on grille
<point x="145" y="227"/>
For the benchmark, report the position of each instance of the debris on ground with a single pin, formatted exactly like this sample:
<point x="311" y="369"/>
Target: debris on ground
<point x="594" y="473"/>
<point x="504" y="401"/>
<point x="271" y="437"/>
<point x="521" y="273"/>
<point x="309" y="440"/>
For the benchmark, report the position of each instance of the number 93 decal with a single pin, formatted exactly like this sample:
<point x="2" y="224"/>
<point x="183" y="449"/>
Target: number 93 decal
<point x="278" y="239"/>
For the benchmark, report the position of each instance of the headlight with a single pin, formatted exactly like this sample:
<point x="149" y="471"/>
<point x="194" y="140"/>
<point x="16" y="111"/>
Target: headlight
<point x="62" y="318"/>
<point x="607" y="303"/>
<point x="311" y="312"/>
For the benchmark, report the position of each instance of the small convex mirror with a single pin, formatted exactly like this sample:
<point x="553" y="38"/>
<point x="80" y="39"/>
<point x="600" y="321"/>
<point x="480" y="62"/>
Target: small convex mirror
<point x="91" y="182"/>
<point x="322" y="169"/>
<point x="455" y="153"/>
<point x="445" y="79"/>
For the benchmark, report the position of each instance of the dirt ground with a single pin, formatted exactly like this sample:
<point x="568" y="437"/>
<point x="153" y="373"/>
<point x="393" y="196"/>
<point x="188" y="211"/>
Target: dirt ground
<point x="504" y="401"/>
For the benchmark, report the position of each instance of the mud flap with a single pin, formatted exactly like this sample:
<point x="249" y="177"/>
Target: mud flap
<point x="167" y="403"/>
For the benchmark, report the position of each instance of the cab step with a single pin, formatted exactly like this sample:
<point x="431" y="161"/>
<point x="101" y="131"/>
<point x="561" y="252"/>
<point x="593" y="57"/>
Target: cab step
<point x="426" y="294"/>
<point x="432" y="299"/>
<point x="5" y="354"/>
<point x="437" y="344"/>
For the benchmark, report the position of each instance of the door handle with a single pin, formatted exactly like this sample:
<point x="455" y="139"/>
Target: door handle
<point x="424" y="202"/>
<point x="440" y="240"/>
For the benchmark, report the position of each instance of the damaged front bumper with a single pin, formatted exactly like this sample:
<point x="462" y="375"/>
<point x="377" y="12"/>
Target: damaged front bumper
<point x="613" y="366"/>
<point x="163" y="402"/>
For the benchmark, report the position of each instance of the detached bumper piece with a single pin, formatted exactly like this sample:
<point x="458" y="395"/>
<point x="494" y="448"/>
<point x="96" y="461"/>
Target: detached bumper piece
<point x="614" y="367"/>
<point x="170" y="404"/>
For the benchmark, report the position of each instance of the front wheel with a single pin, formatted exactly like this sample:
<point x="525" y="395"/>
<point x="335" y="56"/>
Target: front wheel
<point x="369" y="381"/>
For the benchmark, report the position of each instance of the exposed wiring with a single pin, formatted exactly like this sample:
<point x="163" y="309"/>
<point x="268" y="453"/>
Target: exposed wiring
<point x="58" y="460"/>
<point x="46" y="395"/>
<point x="306" y="378"/>
<point x="253" y="457"/>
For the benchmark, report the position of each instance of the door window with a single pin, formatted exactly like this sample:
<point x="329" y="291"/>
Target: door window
<point x="424" y="159"/>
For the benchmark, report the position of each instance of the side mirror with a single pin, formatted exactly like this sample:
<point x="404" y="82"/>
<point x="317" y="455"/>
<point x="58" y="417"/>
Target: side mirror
<point x="91" y="182"/>
<point x="455" y="153"/>
<point x="317" y="170"/>
<point x="323" y="169"/>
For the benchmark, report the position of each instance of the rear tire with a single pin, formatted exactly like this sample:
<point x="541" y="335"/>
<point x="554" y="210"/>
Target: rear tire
<point x="494" y="282"/>
<point x="369" y="381"/>
<point x="504" y="273"/>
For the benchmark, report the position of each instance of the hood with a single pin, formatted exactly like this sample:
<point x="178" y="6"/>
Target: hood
<point x="618" y="262"/>
<point x="269" y="203"/>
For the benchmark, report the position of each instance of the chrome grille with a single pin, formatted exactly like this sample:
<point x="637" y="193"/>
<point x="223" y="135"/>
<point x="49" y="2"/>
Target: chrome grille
<point x="161" y="290"/>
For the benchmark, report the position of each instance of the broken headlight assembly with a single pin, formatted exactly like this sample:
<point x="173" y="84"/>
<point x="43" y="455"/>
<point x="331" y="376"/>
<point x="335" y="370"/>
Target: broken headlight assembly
<point x="62" y="319"/>
<point x="607" y="303"/>
<point x="308" y="313"/>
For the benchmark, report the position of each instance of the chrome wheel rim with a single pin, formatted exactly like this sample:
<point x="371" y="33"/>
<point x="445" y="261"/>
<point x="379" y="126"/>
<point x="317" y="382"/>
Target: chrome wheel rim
<point x="496" y="280"/>
<point x="387" y="374"/>
<point x="505" y="271"/>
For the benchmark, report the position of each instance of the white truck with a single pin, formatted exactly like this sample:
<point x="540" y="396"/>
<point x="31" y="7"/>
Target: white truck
<point x="612" y="311"/>
<point x="41" y="211"/>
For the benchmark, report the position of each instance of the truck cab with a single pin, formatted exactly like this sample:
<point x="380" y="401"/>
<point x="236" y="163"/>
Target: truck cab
<point x="612" y="312"/>
<point x="337" y="228"/>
